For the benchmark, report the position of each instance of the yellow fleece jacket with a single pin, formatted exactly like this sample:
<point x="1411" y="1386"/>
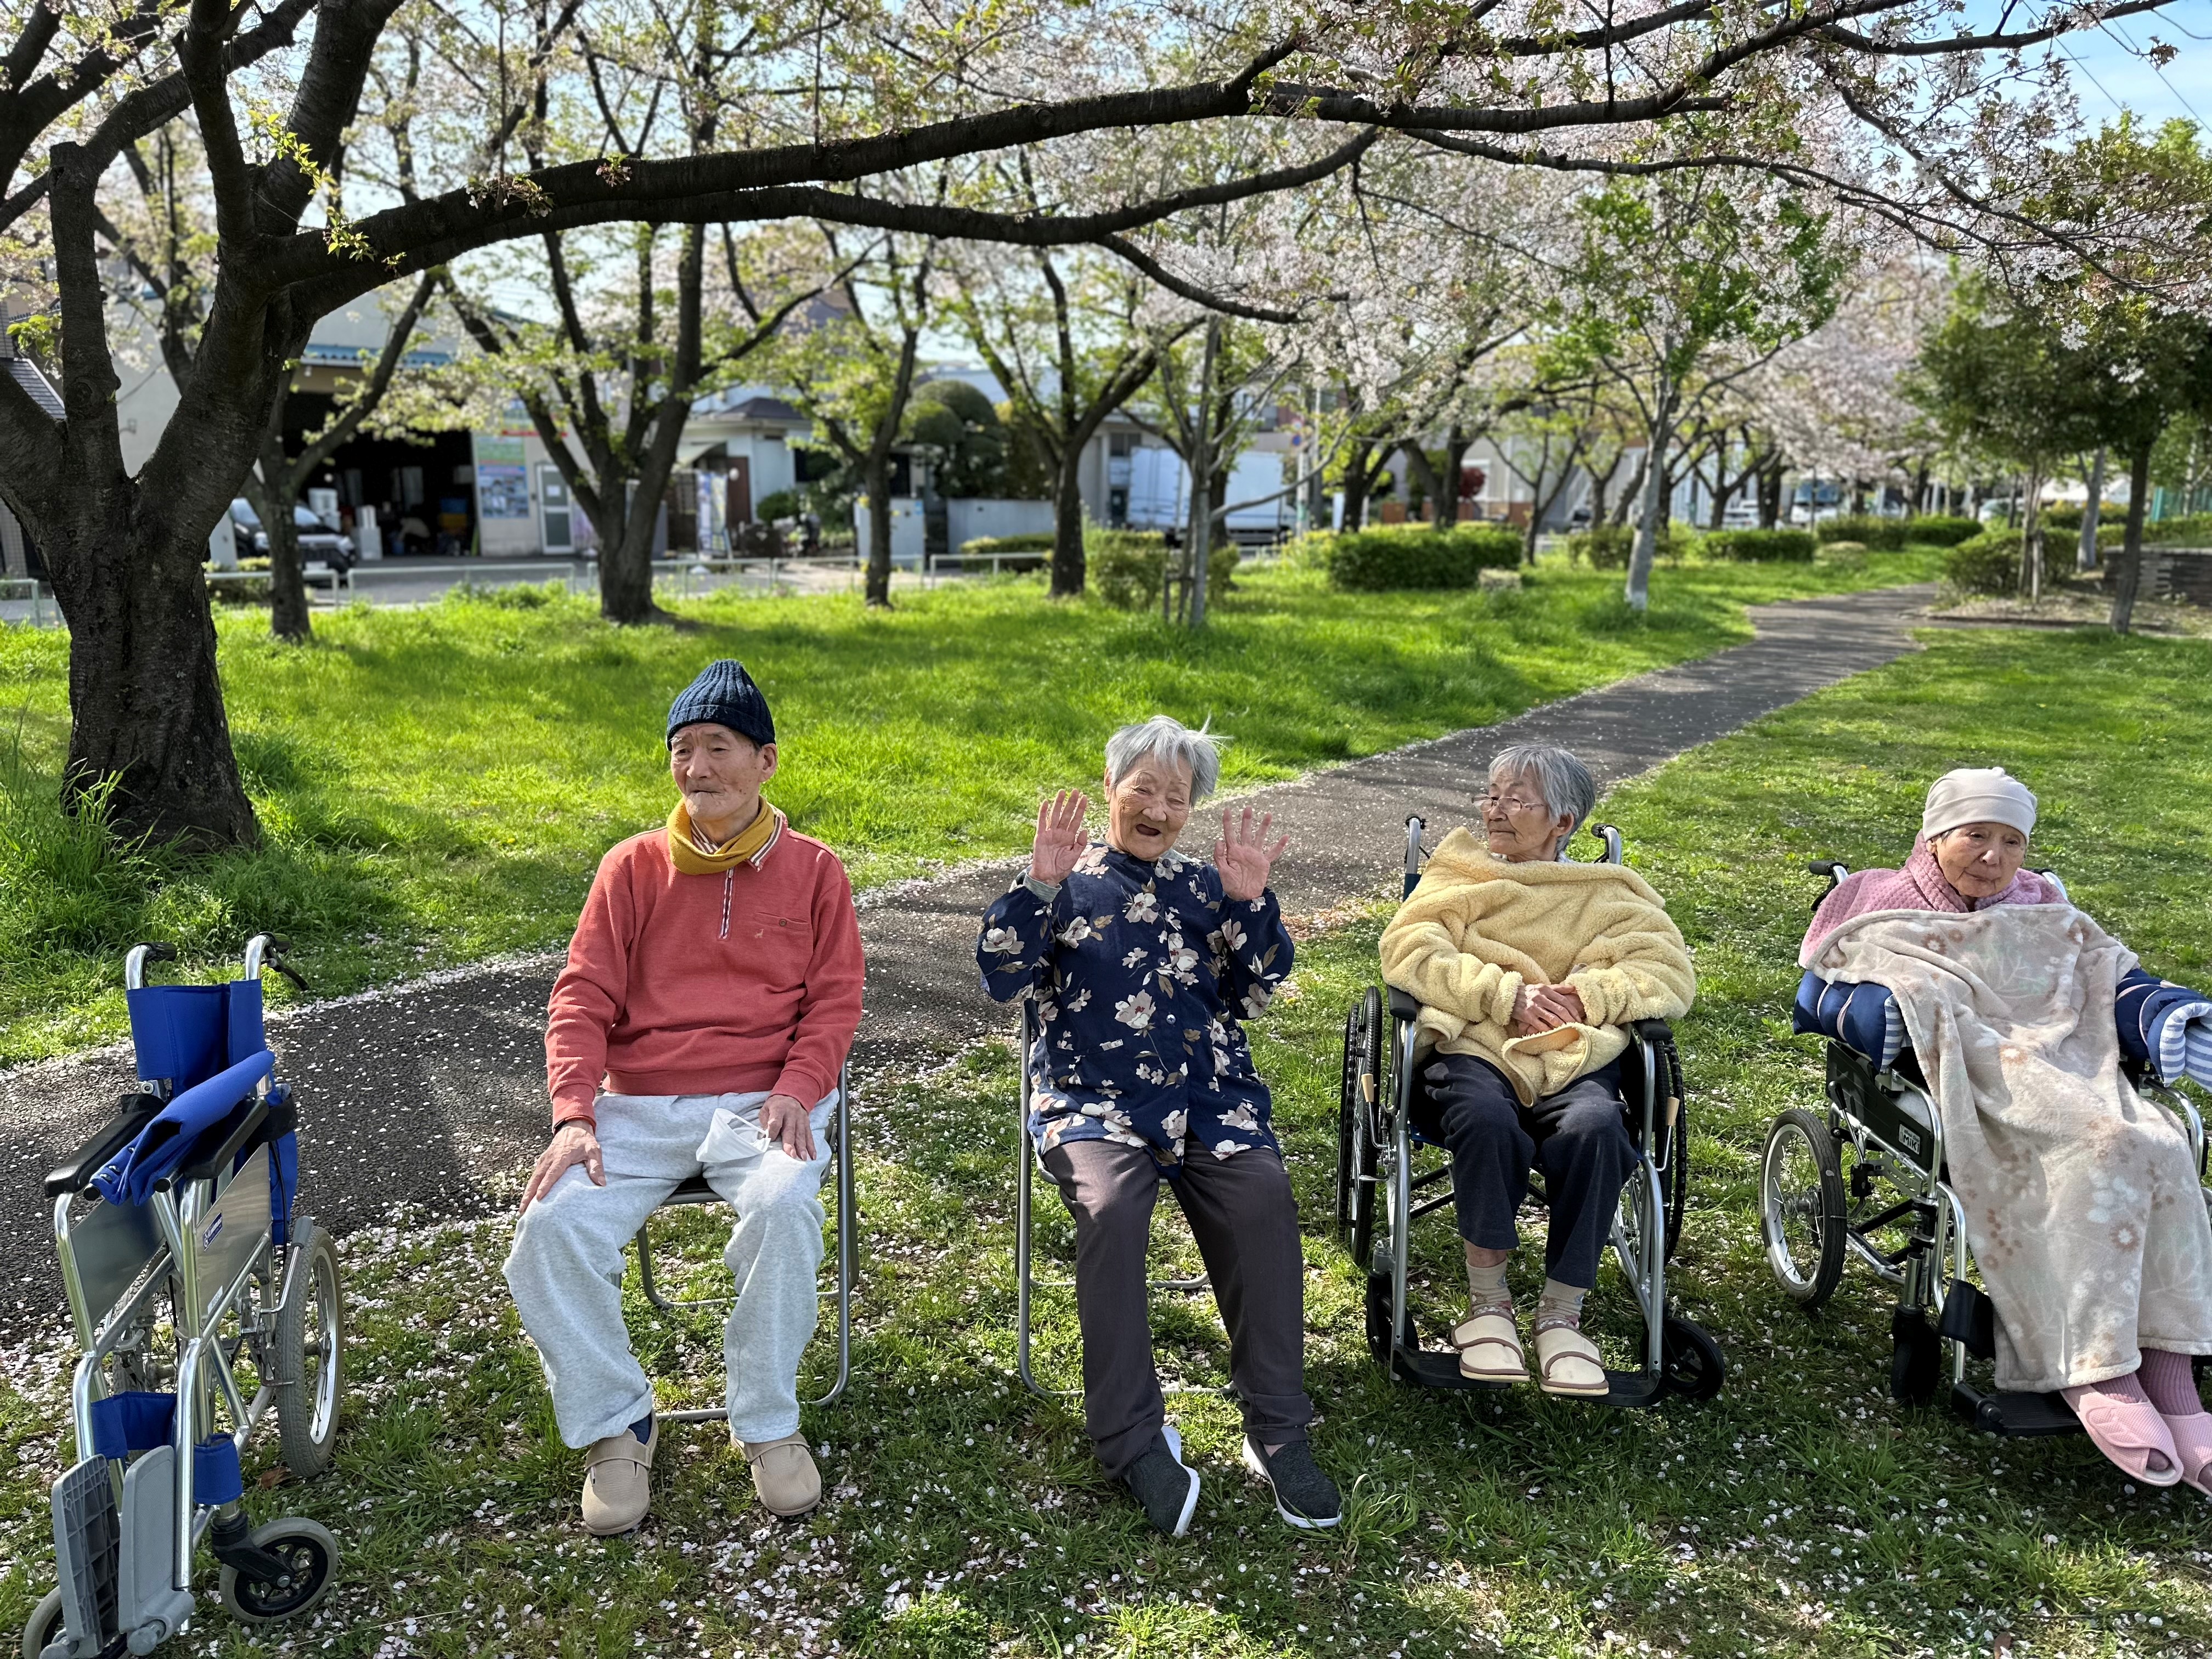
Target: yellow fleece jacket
<point x="1477" y="929"/>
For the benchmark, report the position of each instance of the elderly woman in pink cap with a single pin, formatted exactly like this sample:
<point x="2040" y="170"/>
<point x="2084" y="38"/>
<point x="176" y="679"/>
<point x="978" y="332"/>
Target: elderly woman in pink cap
<point x="2082" y="1201"/>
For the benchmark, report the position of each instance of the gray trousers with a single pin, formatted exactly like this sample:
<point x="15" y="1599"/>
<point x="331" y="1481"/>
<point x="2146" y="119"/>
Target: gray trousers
<point x="1577" y="1135"/>
<point x="1246" y="1223"/>
<point x="566" y="1267"/>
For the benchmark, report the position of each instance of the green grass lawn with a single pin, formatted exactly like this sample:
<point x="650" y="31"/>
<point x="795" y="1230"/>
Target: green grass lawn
<point x="436" y="786"/>
<point x="1799" y="1513"/>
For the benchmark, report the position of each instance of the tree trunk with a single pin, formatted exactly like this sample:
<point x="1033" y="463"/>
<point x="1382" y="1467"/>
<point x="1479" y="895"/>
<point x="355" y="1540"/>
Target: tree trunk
<point x="1770" y="496"/>
<point x="2128" y="578"/>
<point x="875" y="479"/>
<point x="2085" y="554"/>
<point x="1633" y="492"/>
<point x="287" y="586"/>
<point x="1199" y="545"/>
<point x="1068" y="573"/>
<point x="145" y="698"/>
<point x="1653" y="512"/>
<point x="625" y="522"/>
<point x="2031" y="539"/>
<point x="1358" y="468"/>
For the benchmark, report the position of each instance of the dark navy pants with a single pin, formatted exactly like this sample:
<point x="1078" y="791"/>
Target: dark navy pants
<point x="1246" y="1224"/>
<point x="1575" y="1136"/>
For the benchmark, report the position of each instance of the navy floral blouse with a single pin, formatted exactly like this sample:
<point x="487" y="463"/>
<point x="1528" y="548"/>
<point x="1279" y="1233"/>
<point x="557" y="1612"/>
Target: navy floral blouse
<point x="1143" y="970"/>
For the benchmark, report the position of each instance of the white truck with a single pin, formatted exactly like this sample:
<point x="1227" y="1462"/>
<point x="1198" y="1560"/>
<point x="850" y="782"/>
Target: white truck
<point x="1159" y="494"/>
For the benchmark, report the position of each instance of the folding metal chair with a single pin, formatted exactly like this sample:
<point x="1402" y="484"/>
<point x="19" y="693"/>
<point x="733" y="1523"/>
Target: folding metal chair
<point x="696" y="1191"/>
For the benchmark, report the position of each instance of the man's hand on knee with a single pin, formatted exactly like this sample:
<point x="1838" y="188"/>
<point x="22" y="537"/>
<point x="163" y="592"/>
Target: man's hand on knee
<point x="783" y="1119"/>
<point x="572" y="1143"/>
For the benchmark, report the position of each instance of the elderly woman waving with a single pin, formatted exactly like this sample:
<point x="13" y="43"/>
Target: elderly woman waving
<point x="1528" y="969"/>
<point x="1143" y="963"/>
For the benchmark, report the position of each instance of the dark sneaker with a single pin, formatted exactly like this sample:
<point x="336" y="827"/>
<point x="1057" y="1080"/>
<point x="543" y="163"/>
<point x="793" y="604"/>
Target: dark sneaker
<point x="1305" y="1497"/>
<point x="1167" y="1490"/>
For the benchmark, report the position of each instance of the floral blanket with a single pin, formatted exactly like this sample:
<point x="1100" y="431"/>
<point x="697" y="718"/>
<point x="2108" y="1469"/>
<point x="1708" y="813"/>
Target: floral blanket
<point x="1143" y="970"/>
<point x="2081" y="1205"/>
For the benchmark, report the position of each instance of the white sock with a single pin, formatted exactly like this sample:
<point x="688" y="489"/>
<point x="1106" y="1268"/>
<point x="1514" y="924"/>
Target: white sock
<point x="1561" y="1302"/>
<point x="1486" y="1286"/>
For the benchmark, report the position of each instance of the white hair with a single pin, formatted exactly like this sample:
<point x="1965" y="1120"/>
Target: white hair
<point x="1564" y="781"/>
<point x="1168" y="740"/>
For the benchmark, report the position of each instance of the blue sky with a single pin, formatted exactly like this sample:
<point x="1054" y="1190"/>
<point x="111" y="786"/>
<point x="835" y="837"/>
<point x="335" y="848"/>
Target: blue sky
<point x="2107" y="74"/>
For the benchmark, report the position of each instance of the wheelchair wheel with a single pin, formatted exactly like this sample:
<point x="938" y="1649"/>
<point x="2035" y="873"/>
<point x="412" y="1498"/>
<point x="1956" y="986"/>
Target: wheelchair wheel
<point x="310" y="1556"/>
<point x="1691" y="1360"/>
<point x="1916" y="1359"/>
<point x="1359" y="1121"/>
<point x="43" y="1626"/>
<point x="1800" y="1207"/>
<point x="310" y="1347"/>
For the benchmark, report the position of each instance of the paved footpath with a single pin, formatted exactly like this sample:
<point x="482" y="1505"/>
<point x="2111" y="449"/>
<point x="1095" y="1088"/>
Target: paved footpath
<point x="423" y="1091"/>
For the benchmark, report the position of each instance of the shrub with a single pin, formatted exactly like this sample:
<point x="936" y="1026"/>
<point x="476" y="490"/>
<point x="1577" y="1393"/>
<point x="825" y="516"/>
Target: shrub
<point x="975" y="553"/>
<point x="1886" y="534"/>
<point x="1761" y="546"/>
<point x="1986" y="564"/>
<point x="2192" y="529"/>
<point x="1124" y="567"/>
<point x="1607" y="546"/>
<point x="1943" y="530"/>
<point x="1842" y="555"/>
<point x="1374" y="561"/>
<point x="776" y="504"/>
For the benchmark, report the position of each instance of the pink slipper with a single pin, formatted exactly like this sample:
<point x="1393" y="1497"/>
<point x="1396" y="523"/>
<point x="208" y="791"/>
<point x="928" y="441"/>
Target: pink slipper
<point x="2127" y="1432"/>
<point x="2192" y="1440"/>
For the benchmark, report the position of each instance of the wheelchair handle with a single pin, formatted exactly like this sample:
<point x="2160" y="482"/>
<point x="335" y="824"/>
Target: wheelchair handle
<point x="135" y="961"/>
<point x="268" y="950"/>
<point x="1825" y="866"/>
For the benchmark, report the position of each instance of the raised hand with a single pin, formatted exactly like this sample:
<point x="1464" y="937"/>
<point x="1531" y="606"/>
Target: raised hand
<point x="1059" y="838"/>
<point x="1244" y="857"/>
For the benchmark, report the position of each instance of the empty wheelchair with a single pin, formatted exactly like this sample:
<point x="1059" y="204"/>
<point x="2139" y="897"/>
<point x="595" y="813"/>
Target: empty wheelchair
<point x="696" y="1191"/>
<point x="1386" y="1152"/>
<point x="1891" y="1205"/>
<point x="188" y="1280"/>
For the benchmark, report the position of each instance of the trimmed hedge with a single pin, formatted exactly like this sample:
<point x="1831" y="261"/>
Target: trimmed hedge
<point x="1884" y="535"/>
<point x="1989" y="563"/>
<point x="1761" y="546"/>
<point x="1376" y="561"/>
<point x="1607" y="546"/>
<point x="776" y="504"/>
<point x="1942" y="529"/>
<point x="2190" y="530"/>
<point x="1124" y="567"/>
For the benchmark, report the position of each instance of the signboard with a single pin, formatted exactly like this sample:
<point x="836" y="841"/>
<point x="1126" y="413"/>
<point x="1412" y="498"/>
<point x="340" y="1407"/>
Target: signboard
<point x="500" y="448"/>
<point x="502" y="489"/>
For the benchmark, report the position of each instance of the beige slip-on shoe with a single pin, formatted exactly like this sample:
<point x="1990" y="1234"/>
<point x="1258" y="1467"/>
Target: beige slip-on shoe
<point x="1489" y="1345"/>
<point x="618" y="1482"/>
<point x="1567" y="1362"/>
<point x="784" y="1475"/>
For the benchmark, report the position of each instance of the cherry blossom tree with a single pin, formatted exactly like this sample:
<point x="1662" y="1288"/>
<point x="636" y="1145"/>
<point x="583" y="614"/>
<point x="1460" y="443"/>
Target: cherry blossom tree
<point x="289" y="101"/>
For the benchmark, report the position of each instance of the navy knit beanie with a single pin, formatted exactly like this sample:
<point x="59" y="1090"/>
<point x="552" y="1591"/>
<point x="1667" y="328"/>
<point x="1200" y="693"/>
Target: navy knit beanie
<point x="724" y="693"/>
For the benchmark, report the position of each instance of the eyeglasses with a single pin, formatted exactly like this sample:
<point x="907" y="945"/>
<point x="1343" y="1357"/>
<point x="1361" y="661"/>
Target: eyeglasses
<point x="1508" y="804"/>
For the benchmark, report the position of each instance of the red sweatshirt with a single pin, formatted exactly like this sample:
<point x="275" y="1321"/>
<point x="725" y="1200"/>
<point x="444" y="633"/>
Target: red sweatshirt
<point x="717" y="984"/>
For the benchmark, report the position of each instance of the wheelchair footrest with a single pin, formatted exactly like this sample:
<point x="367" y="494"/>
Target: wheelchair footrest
<point x="2014" y="1414"/>
<point x="1439" y="1368"/>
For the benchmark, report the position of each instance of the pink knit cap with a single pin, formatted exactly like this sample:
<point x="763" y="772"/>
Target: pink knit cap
<point x="1978" y="794"/>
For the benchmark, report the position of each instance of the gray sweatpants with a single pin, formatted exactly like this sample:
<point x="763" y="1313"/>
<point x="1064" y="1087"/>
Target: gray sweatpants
<point x="566" y="1267"/>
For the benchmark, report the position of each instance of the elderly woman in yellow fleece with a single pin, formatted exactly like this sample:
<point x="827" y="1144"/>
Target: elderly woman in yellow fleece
<point x="1528" y="969"/>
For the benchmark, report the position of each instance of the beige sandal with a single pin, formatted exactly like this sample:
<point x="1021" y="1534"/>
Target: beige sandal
<point x="1492" y="1329"/>
<point x="1567" y="1362"/>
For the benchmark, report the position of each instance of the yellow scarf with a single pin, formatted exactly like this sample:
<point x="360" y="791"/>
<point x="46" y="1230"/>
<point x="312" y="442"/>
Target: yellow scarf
<point x="687" y="854"/>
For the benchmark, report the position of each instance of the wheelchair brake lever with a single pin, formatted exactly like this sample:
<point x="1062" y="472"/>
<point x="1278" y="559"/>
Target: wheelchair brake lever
<point x="280" y="966"/>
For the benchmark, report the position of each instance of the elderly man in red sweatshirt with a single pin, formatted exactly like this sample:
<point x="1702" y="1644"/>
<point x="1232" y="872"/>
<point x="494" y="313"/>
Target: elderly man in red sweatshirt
<point x="711" y="992"/>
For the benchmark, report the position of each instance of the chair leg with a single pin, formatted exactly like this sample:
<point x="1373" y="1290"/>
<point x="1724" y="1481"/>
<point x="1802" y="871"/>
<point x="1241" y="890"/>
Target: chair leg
<point x="843" y="1121"/>
<point x="645" y="1268"/>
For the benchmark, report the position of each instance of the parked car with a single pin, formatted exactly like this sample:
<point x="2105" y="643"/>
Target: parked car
<point x="321" y="541"/>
